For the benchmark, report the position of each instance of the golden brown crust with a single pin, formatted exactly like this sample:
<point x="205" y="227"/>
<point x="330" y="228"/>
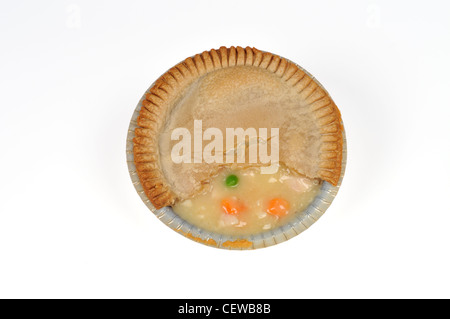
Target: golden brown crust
<point x="172" y="84"/>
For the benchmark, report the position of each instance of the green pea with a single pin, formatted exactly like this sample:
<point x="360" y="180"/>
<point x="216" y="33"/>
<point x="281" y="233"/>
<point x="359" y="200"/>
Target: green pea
<point x="231" y="180"/>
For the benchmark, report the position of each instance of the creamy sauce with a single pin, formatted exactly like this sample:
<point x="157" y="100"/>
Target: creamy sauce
<point x="253" y="205"/>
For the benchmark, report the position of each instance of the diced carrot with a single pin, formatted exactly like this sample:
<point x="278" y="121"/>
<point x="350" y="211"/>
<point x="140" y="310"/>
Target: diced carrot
<point x="232" y="206"/>
<point x="278" y="207"/>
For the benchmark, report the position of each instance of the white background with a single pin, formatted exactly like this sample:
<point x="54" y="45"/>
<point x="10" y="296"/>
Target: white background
<point x="71" y="223"/>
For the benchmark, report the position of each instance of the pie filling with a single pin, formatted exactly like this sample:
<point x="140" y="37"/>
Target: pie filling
<point x="245" y="201"/>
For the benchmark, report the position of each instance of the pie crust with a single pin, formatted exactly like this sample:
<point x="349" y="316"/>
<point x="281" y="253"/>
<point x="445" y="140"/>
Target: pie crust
<point x="216" y="86"/>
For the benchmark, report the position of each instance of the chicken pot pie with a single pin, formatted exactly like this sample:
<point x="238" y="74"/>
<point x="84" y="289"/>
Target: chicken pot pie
<point x="231" y="185"/>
